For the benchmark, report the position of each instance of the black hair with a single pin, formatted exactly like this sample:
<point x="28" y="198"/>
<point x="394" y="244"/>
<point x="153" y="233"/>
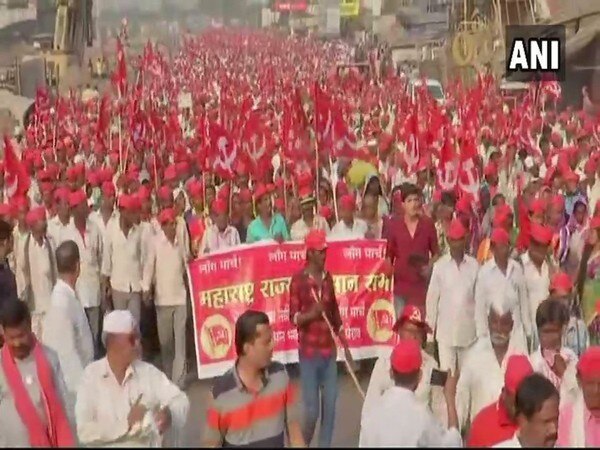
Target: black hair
<point x="5" y="230"/>
<point x="406" y="380"/>
<point x="245" y="328"/>
<point x="497" y="197"/>
<point x="14" y="313"/>
<point x="533" y="391"/>
<point x="551" y="311"/>
<point x="448" y="198"/>
<point x="409" y="189"/>
<point x="67" y="257"/>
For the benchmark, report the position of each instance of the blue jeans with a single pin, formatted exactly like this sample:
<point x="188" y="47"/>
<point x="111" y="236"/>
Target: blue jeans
<point x="399" y="303"/>
<point x="316" y="373"/>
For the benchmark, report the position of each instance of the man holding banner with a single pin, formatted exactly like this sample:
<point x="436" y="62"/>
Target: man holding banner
<point x="315" y="312"/>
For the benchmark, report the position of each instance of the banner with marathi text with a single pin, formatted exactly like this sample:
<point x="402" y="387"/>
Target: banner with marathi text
<point x="224" y="285"/>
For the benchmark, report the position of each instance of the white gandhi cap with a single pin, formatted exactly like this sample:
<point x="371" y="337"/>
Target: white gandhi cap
<point x="119" y="322"/>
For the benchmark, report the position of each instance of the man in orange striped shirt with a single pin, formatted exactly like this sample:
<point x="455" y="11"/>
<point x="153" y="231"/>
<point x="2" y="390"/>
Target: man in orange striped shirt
<point x="254" y="404"/>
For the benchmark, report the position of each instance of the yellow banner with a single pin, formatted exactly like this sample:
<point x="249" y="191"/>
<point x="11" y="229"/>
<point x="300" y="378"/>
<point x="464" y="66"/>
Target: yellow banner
<point x="349" y="8"/>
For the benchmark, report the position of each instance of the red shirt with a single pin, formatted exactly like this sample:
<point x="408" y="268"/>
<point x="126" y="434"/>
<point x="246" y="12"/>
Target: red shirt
<point x="315" y="336"/>
<point x="408" y="282"/>
<point x="491" y="426"/>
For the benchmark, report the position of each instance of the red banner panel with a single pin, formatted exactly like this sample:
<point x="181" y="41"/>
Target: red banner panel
<point x="257" y="277"/>
<point x="291" y="5"/>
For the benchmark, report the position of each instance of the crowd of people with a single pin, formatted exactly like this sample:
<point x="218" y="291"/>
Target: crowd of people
<point x="490" y="214"/>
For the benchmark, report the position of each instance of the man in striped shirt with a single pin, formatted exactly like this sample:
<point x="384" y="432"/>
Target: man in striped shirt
<point x="253" y="404"/>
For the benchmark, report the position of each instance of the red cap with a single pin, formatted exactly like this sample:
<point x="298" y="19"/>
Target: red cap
<point x="195" y="189"/>
<point x="61" y="194"/>
<point x="5" y="209"/>
<point x="463" y="205"/>
<point x="500" y="236"/>
<point x="35" y="215"/>
<point x="279" y="205"/>
<point x="456" y="230"/>
<point x="164" y="193"/>
<point x="125" y="202"/>
<point x="108" y="189"/>
<point x="518" y="368"/>
<point x="219" y="207"/>
<point x="170" y="173"/>
<point x="571" y="176"/>
<point x="406" y="357"/>
<point x="589" y="363"/>
<point x="76" y="198"/>
<point x="538" y="206"/>
<point x="260" y="192"/>
<point x="347" y="202"/>
<point x="561" y="281"/>
<point x="325" y="212"/>
<point x="595" y="222"/>
<point x="541" y="234"/>
<point x="490" y="169"/>
<point x="315" y="240"/>
<point x="167" y="215"/>
<point x="412" y="314"/>
<point x="557" y="201"/>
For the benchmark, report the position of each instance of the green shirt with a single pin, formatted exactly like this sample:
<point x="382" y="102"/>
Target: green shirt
<point x="257" y="231"/>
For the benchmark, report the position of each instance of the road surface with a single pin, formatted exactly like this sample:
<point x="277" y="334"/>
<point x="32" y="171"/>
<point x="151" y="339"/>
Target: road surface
<point x="347" y="422"/>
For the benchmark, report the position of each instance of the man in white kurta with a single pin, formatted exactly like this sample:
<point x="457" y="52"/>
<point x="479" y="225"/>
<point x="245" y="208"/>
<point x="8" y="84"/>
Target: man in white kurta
<point x="450" y="300"/>
<point x="409" y="323"/>
<point x="537" y="283"/>
<point x="349" y="226"/>
<point x="60" y="222"/>
<point x="38" y="269"/>
<point x="86" y="234"/>
<point x="165" y="268"/>
<point x="502" y="277"/>
<point x="139" y="405"/>
<point x="66" y="329"/>
<point x="482" y="374"/>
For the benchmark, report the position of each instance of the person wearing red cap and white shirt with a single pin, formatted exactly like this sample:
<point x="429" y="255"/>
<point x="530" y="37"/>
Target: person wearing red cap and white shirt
<point x="450" y="301"/>
<point x="496" y="422"/>
<point x="410" y="325"/>
<point x="121" y="261"/>
<point x="107" y="213"/>
<point x="537" y="268"/>
<point x="220" y="235"/>
<point x="349" y="226"/>
<point x="502" y="277"/>
<point x="476" y="387"/>
<point x="400" y="419"/>
<point x="60" y="222"/>
<point x="165" y="269"/>
<point x="579" y="419"/>
<point x="39" y="267"/>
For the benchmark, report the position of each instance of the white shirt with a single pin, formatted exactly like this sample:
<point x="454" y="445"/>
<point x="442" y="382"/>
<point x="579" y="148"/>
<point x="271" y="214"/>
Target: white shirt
<point x="381" y="381"/>
<point x="19" y="255"/>
<point x="91" y="250"/>
<point x="102" y="419"/>
<point x="513" y="442"/>
<point x="40" y="273"/>
<point x="402" y="421"/>
<point x="342" y="231"/>
<point x="165" y="267"/>
<point x="67" y="332"/>
<point x="213" y="240"/>
<point x="481" y="379"/>
<point x="181" y="233"/>
<point x="121" y="260"/>
<point x="96" y="217"/>
<point x="493" y="285"/>
<point x="56" y="229"/>
<point x="450" y="300"/>
<point x="567" y="386"/>
<point x="299" y="229"/>
<point x="537" y="283"/>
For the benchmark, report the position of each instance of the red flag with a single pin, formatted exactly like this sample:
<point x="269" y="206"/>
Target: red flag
<point x="119" y="77"/>
<point x="16" y="179"/>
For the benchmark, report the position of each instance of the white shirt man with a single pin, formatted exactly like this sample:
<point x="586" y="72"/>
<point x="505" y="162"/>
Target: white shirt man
<point x="482" y="375"/>
<point x="91" y="250"/>
<point x="537" y="283"/>
<point x="341" y="230"/>
<point x="450" y="307"/>
<point x="165" y="268"/>
<point x="300" y="229"/>
<point x="510" y="288"/>
<point x="121" y="262"/>
<point x="567" y="385"/>
<point x="96" y="217"/>
<point x="57" y="229"/>
<point x="214" y="240"/>
<point x="103" y="404"/>
<point x="400" y="420"/>
<point x="67" y="332"/>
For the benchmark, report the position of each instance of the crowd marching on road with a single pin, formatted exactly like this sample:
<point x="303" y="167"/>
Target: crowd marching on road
<point x="490" y="215"/>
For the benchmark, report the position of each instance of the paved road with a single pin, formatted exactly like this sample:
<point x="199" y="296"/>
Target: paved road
<point x="347" y="423"/>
